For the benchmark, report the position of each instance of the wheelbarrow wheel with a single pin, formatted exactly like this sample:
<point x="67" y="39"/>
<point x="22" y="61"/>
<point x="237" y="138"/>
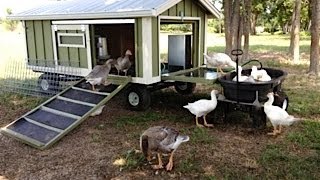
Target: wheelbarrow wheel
<point x="184" y="88"/>
<point x="281" y="100"/>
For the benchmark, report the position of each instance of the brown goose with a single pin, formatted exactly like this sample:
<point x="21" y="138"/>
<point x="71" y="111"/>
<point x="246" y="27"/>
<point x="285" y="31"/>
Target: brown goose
<point x="162" y="140"/>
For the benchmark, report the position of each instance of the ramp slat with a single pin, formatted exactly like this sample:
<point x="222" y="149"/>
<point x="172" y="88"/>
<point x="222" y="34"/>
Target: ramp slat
<point x="22" y="137"/>
<point x="33" y="131"/>
<point x="50" y="121"/>
<point x="43" y="125"/>
<point x="54" y="120"/>
<point x="75" y="101"/>
<point x="89" y="91"/>
<point x="83" y="96"/>
<point x="54" y="111"/>
<point x="69" y="107"/>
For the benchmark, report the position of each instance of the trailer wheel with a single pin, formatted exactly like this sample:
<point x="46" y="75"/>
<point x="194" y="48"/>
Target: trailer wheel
<point x="281" y="100"/>
<point x="48" y="82"/>
<point x="138" y="97"/>
<point x="184" y="88"/>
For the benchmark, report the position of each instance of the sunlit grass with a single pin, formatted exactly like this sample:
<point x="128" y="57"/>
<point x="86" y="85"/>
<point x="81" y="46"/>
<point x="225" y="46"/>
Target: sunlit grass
<point x="263" y="43"/>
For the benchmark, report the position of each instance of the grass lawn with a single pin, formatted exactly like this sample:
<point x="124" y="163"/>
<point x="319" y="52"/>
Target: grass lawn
<point x="227" y="151"/>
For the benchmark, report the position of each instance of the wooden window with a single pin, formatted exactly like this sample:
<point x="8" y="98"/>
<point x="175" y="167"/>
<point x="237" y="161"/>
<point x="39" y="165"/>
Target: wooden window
<point x="76" y="40"/>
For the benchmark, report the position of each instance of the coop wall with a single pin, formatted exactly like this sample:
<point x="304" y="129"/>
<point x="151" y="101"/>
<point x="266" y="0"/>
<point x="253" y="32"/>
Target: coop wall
<point x="40" y="50"/>
<point x="39" y="43"/>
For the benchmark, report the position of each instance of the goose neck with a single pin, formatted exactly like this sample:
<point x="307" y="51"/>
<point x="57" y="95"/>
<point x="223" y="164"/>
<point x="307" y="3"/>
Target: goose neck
<point x="270" y="101"/>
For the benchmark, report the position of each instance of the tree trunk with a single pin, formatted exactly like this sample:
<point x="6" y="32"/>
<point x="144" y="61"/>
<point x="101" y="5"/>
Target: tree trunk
<point x="235" y="25"/>
<point x="254" y="19"/>
<point x="227" y="4"/>
<point x="314" y="49"/>
<point x="295" y="37"/>
<point x="246" y="28"/>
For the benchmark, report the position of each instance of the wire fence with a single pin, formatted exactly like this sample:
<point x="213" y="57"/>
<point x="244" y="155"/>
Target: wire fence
<point x="18" y="77"/>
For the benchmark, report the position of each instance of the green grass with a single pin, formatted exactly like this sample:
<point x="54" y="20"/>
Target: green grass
<point x="139" y="119"/>
<point x="308" y="137"/>
<point x="130" y="160"/>
<point x="200" y="136"/>
<point x="264" y="43"/>
<point x="279" y="163"/>
<point x="190" y="164"/>
<point x="15" y="101"/>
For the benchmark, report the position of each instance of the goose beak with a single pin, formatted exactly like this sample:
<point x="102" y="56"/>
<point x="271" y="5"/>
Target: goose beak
<point x="276" y="94"/>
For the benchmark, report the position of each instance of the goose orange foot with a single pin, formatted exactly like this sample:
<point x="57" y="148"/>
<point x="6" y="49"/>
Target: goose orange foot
<point x="169" y="166"/>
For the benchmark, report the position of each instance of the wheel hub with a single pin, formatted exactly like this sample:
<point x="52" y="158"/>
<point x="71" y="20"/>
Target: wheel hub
<point x="133" y="98"/>
<point x="44" y="84"/>
<point x="285" y="104"/>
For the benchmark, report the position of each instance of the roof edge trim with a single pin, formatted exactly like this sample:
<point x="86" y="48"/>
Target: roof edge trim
<point x="101" y="15"/>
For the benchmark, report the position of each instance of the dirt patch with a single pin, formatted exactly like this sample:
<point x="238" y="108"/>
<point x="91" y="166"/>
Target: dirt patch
<point x="90" y="150"/>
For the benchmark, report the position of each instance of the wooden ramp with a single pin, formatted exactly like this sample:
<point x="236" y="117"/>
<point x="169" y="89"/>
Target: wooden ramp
<point x="50" y="121"/>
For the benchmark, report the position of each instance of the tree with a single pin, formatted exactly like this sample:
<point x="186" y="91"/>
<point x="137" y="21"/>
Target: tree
<point x="227" y="6"/>
<point x="258" y="8"/>
<point x="314" y="49"/>
<point x="237" y="23"/>
<point x="295" y="30"/>
<point x="246" y="28"/>
<point x="10" y="24"/>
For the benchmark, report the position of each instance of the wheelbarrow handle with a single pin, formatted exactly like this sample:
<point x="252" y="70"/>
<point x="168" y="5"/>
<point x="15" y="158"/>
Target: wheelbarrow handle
<point x="252" y="60"/>
<point x="237" y="52"/>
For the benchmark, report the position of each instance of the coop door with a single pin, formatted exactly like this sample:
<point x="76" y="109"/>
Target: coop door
<point x="72" y="48"/>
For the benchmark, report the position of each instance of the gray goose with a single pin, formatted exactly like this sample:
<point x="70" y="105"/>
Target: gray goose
<point x="163" y="140"/>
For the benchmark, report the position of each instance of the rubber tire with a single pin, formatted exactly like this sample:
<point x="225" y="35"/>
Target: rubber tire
<point x="48" y="82"/>
<point x="138" y="97"/>
<point x="184" y="88"/>
<point x="281" y="100"/>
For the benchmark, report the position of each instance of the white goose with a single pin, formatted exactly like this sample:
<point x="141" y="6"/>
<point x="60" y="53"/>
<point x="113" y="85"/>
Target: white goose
<point x="203" y="107"/>
<point x="161" y="140"/>
<point x="277" y="116"/>
<point x="219" y="60"/>
<point x="259" y="75"/>
<point x="243" y="78"/>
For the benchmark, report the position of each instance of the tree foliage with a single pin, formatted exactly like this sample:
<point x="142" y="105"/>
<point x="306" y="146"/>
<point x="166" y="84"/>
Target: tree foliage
<point x="10" y="25"/>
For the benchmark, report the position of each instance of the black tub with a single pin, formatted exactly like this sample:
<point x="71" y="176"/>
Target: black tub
<point x="246" y="90"/>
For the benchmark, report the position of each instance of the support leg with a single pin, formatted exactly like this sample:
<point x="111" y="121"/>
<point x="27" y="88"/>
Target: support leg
<point x="205" y="122"/>
<point x="93" y="88"/>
